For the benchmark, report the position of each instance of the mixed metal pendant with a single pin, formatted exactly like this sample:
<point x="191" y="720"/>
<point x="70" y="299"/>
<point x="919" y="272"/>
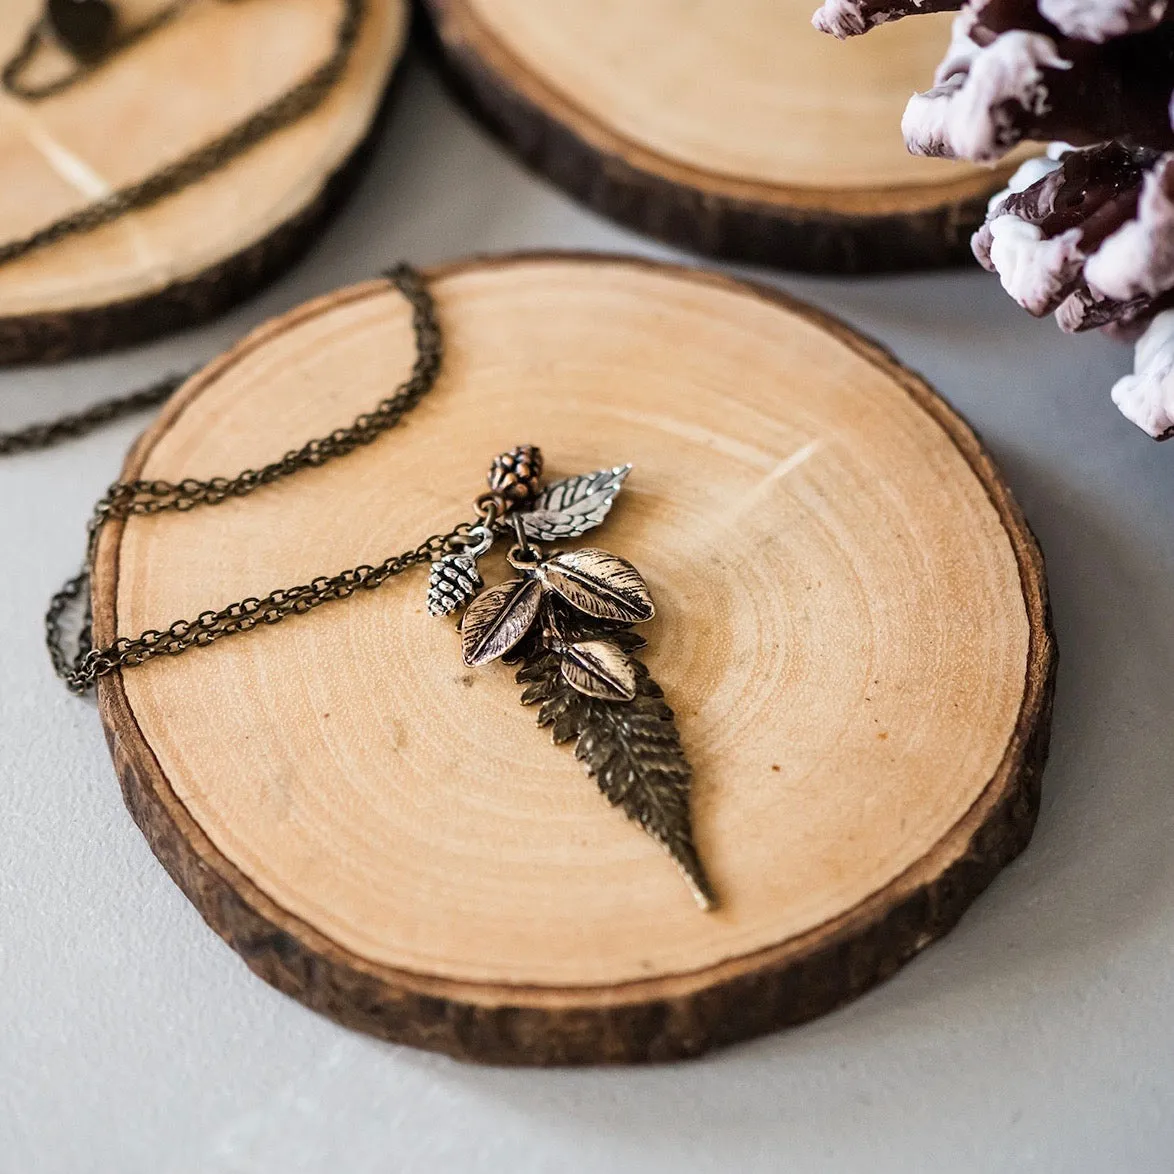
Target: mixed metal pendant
<point x="566" y="618"/>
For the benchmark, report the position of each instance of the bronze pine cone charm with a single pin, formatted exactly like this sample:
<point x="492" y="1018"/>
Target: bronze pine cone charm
<point x="515" y="474"/>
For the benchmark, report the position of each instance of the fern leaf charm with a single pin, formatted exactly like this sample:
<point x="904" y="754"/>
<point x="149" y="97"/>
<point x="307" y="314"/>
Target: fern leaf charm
<point x="630" y="746"/>
<point x="567" y="618"/>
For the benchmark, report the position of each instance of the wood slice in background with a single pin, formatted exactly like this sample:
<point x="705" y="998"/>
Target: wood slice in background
<point x="730" y="127"/>
<point x="852" y="627"/>
<point x="195" y="253"/>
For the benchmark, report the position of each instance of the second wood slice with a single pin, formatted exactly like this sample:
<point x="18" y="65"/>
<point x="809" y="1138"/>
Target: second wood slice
<point x="728" y="126"/>
<point x="193" y="253"/>
<point x="852" y="628"/>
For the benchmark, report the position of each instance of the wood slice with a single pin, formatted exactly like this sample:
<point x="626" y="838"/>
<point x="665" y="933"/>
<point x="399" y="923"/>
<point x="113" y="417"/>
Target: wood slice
<point x="852" y="627"/>
<point x="197" y="252"/>
<point x="730" y="127"/>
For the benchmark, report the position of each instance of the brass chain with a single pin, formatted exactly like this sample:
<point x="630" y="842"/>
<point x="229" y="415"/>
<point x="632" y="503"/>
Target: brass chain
<point x="294" y="104"/>
<point x="76" y="424"/>
<point x="82" y="666"/>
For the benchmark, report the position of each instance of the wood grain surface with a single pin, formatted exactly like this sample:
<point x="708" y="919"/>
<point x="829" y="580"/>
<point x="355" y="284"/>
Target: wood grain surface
<point x="727" y="126"/>
<point x="196" y="252"/>
<point x="852" y="627"/>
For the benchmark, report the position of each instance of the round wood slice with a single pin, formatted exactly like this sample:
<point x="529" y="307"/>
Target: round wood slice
<point x="730" y="127"/>
<point x="195" y="253"/>
<point x="852" y="628"/>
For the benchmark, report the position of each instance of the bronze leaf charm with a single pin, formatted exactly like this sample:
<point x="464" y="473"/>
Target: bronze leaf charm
<point x="497" y="619"/>
<point x="599" y="669"/>
<point x="601" y="584"/>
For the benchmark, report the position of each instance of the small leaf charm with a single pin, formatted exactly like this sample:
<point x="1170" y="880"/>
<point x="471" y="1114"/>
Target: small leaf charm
<point x="453" y="582"/>
<point x="497" y="619"/>
<point x="574" y="505"/>
<point x="598" y="668"/>
<point x="600" y="584"/>
<point x="515" y="474"/>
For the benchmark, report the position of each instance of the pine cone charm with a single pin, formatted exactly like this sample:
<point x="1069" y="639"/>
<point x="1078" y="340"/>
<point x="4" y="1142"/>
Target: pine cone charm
<point x="453" y="582"/>
<point x="515" y="474"/>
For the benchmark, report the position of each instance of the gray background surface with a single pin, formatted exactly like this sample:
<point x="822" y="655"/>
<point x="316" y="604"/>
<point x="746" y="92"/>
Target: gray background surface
<point x="1038" y="1036"/>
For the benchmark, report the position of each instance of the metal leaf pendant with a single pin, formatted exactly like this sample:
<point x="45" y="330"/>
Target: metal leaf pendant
<point x="571" y="507"/>
<point x="597" y="668"/>
<point x="498" y="619"/>
<point x="631" y="747"/>
<point x="599" y="584"/>
<point x="566" y="616"/>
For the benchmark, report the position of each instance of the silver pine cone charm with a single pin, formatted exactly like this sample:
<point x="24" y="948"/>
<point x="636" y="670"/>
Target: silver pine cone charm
<point x="453" y="582"/>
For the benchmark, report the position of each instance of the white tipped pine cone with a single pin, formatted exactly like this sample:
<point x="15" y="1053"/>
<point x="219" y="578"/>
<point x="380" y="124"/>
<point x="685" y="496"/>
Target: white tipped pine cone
<point x="1088" y="233"/>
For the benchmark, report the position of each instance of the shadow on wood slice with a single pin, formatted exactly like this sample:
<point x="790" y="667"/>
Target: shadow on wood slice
<point x="730" y="127"/>
<point x="193" y="254"/>
<point x="852" y="627"/>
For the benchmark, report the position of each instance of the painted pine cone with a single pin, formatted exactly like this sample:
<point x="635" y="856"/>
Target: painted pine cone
<point x="1087" y="232"/>
<point x="515" y="474"/>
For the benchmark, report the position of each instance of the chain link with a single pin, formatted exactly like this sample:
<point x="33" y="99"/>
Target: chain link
<point x="86" y="664"/>
<point x="300" y="100"/>
<point x="83" y="670"/>
<point x="79" y="423"/>
<point x="81" y="667"/>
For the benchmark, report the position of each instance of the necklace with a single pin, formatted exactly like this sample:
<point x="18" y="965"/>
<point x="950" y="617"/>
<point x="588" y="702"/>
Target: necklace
<point x="565" y="617"/>
<point x="88" y="30"/>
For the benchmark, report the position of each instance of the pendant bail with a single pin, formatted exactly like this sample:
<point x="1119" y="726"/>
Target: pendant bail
<point x="490" y="507"/>
<point x="480" y="540"/>
<point x="522" y="556"/>
<point x="520" y="531"/>
<point x="516" y="474"/>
